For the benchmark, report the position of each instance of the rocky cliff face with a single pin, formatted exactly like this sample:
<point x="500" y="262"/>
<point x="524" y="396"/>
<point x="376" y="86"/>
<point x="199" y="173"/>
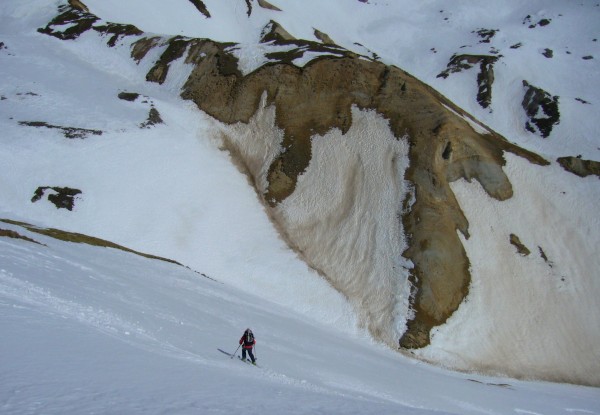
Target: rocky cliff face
<point x="391" y="205"/>
<point x="353" y="159"/>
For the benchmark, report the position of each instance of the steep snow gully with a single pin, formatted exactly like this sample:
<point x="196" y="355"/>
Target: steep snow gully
<point x="415" y="211"/>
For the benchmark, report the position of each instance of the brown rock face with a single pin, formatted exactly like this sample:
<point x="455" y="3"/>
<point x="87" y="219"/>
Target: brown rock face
<point x="580" y="167"/>
<point x="308" y="102"/>
<point x="444" y="146"/>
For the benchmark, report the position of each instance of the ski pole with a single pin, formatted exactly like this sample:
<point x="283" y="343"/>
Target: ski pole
<point x="235" y="351"/>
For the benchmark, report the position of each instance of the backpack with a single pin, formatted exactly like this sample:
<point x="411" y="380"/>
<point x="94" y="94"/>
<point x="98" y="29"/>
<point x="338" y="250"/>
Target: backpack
<point x="248" y="338"/>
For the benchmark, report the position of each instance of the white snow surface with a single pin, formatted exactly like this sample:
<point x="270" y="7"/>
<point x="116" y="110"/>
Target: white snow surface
<point x="97" y="330"/>
<point x="94" y="330"/>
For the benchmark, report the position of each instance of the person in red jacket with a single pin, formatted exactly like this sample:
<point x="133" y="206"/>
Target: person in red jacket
<point x="248" y="341"/>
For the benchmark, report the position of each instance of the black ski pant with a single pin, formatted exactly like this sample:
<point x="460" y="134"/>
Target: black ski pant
<point x="244" y="350"/>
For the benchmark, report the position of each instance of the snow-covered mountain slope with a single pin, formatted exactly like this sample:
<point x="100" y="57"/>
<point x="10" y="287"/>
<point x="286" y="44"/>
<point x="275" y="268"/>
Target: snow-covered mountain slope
<point x="78" y="115"/>
<point x="170" y="175"/>
<point x="93" y="329"/>
<point x="422" y="39"/>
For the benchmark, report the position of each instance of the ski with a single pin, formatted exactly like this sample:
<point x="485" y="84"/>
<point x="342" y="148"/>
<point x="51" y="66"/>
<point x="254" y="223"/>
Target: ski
<point x="248" y="362"/>
<point x="228" y="354"/>
<point x="239" y="357"/>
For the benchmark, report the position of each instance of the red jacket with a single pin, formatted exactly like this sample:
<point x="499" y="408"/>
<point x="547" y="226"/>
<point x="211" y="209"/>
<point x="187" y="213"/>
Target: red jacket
<point x="247" y="341"/>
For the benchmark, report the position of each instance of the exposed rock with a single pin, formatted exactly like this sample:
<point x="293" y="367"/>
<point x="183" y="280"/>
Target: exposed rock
<point x="174" y="51"/>
<point x="581" y="168"/>
<point x="69" y="132"/>
<point x="444" y="147"/>
<point x="15" y="235"/>
<point x="62" y="197"/>
<point x="153" y="118"/>
<point x="117" y="31"/>
<point x="70" y="23"/>
<point x="85" y="239"/>
<point x="78" y="5"/>
<point x="485" y="77"/>
<point x="516" y="45"/>
<point x="372" y="55"/>
<point x="266" y="5"/>
<point x="548" y="53"/>
<point x="521" y="249"/>
<point x="28" y="94"/>
<point x="76" y="19"/>
<point x="542" y="110"/>
<point x="141" y="47"/>
<point x="199" y="4"/>
<point x="324" y="37"/>
<point x="588" y="57"/>
<point x="274" y="32"/>
<point x="544" y="257"/>
<point x="128" y="96"/>
<point x="262" y="3"/>
<point x="459" y="63"/>
<point x="541" y="23"/>
<point x="486" y="35"/>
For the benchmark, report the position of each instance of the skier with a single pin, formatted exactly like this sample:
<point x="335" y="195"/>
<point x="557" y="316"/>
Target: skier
<point x="247" y="341"/>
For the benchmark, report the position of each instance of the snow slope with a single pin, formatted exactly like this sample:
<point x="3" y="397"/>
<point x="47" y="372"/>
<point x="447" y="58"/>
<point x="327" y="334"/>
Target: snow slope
<point x="97" y="330"/>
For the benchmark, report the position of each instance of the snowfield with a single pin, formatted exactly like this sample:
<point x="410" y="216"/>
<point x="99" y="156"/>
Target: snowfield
<point x="97" y="330"/>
